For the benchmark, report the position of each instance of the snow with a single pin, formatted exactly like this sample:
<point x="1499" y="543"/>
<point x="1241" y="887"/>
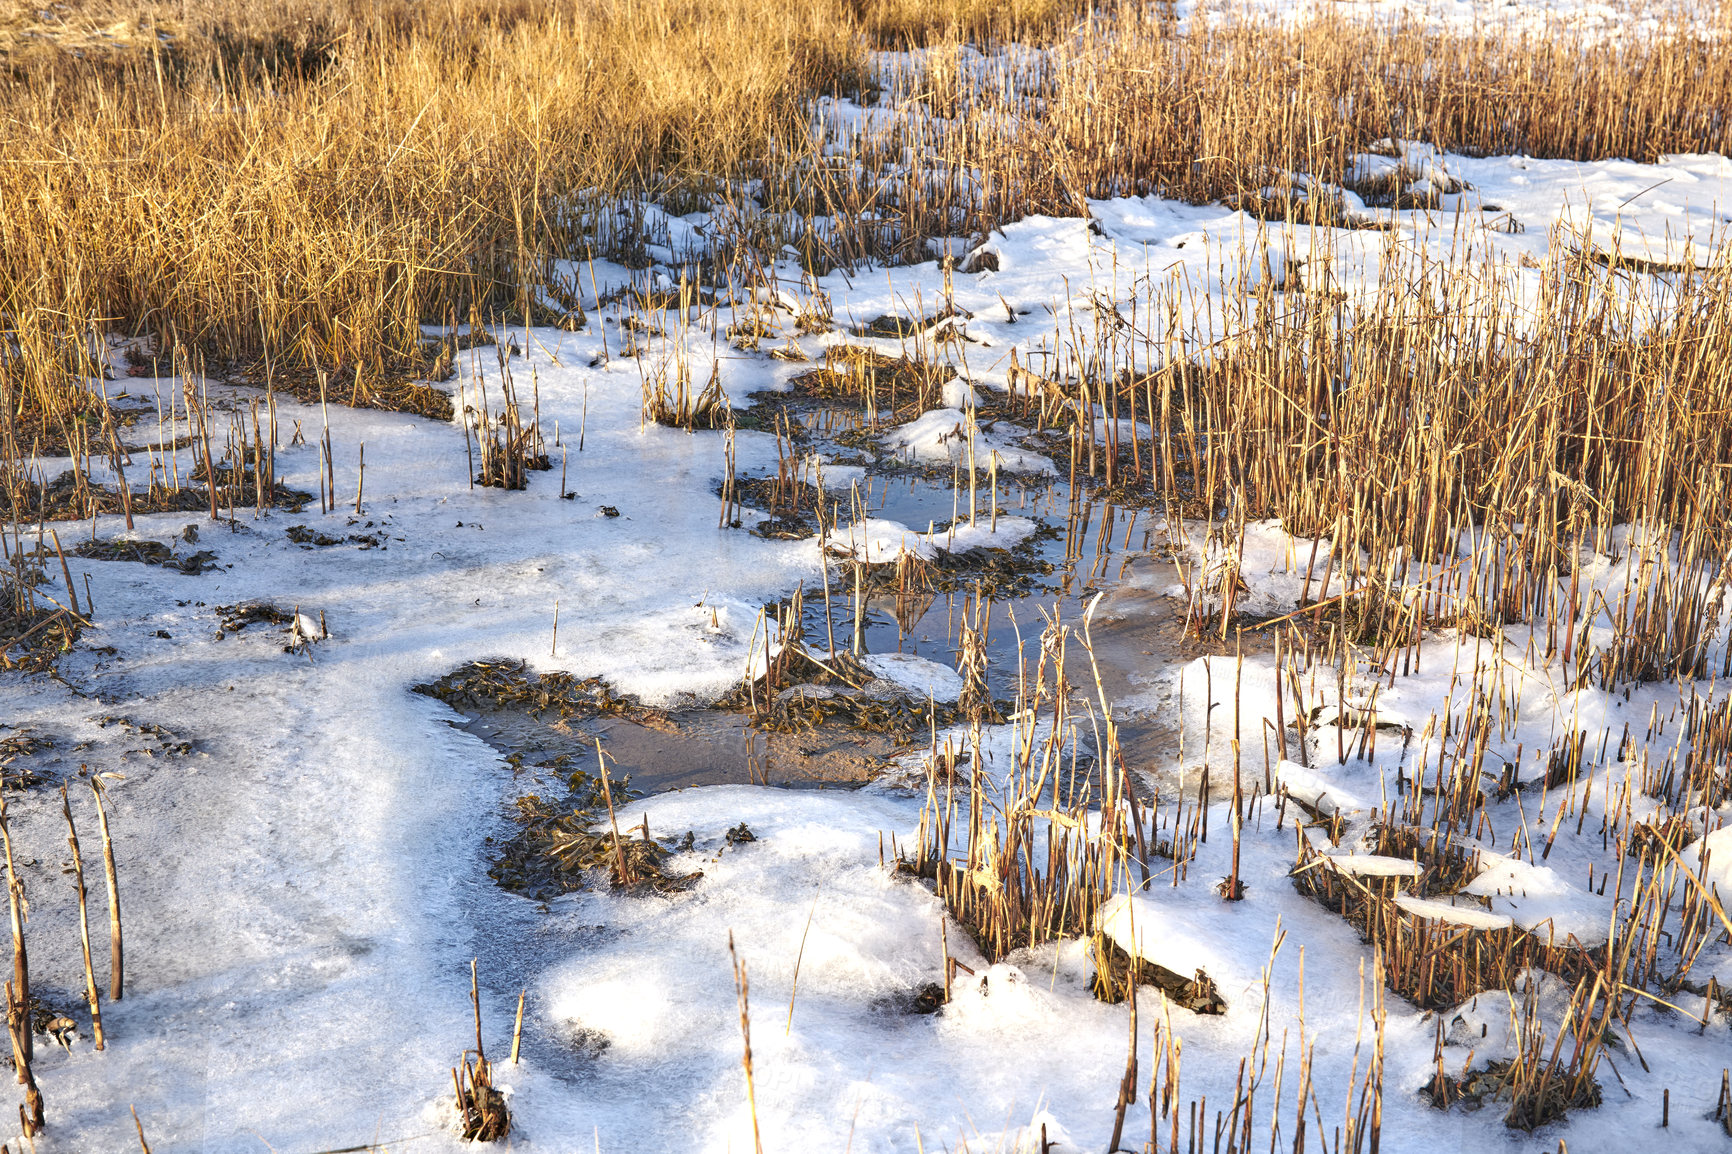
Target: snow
<point x="1148" y="930"/>
<point x="951" y="436"/>
<point x="925" y="678"/>
<point x="1537" y="898"/>
<point x="306" y="889"/>
<point x="878" y="541"/>
<point x="1314" y="790"/>
<point x="1709" y="858"/>
<point x="981" y="534"/>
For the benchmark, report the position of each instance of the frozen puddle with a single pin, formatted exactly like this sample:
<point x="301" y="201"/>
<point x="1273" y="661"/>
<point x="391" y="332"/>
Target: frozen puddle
<point x="1076" y="565"/>
<point x="688" y="748"/>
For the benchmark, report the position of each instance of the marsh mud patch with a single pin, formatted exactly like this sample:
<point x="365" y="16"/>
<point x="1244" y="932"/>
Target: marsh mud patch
<point x="556" y="720"/>
<point x="549" y="727"/>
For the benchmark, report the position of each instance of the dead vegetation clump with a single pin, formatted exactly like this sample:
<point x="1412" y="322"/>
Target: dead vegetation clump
<point x="559" y="847"/>
<point x="677" y="404"/>
<point x="1440" y="952"/>
<point x="1433" y="957"/>
<point x="398" y="384"/>
<point x="302" y="631"/>
<point x="313" y="539"/>
<point x="148" y="553"/>
<point x="793" y="506"/>
<point x="482" y="1113"/>
<point x="1025" y="862"/>
<point x="898" y="387"/>
<point x="1530" y="1106"/>
<point x="481" y="1110"/>
<point x="1541" y="1084"/>
<point x="510" y="446"/>
<point x="1651" y="839"/>
<point x="33" y="635"/>
<point x="71" y="496"/>
<point x="33" y="640"/>
<point x="234" y="618"/>
<point x="801" y="691"/>
<point x="506" y="684"/>
<point x="15" y="750"/>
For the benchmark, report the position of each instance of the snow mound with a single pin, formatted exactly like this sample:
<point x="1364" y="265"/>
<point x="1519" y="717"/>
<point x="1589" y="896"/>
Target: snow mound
<point x="1144" y="929"/>
<point x="1011" y="531"/>
<point x="1370" y="865"/>
<point x="1537" y="898"/>
<point x="918" y="675"/>
<point x="877" y="541"/>
<point x="941" y="437"/>
<point x="1710" y="859"/>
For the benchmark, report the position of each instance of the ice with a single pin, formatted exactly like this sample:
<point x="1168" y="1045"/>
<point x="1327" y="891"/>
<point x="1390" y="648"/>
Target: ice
<point x="1452" y="913"/>
<point x="1369" y="865"/>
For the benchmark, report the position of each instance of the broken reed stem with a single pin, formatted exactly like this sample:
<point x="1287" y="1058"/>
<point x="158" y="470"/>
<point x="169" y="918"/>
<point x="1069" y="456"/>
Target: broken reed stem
<point x="20" y="958"/>
<point x="18" y="1027"/>
<point x="1128" y="1084"/>
<point x="142" y="1144"/>
<point x="71" y="592"/>
<point x="116" y="947"/>
<point x="475" y="1001"/>
<point x="619" y="859"/>
<point x="83" y="920"/>
<point x="799" y="956"/>
<point x="517" y="1027"/>
<point x="742" y="988"/>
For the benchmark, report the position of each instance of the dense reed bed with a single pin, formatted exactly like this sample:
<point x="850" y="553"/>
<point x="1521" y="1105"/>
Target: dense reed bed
<point x="303" y="187"/>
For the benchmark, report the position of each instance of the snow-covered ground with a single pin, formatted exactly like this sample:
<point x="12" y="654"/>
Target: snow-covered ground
<point x="304" y="890"/>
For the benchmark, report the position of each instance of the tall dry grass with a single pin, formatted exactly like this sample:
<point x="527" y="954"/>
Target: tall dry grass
<point x="308" y="183"/>
<point x="317" y="202"/>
